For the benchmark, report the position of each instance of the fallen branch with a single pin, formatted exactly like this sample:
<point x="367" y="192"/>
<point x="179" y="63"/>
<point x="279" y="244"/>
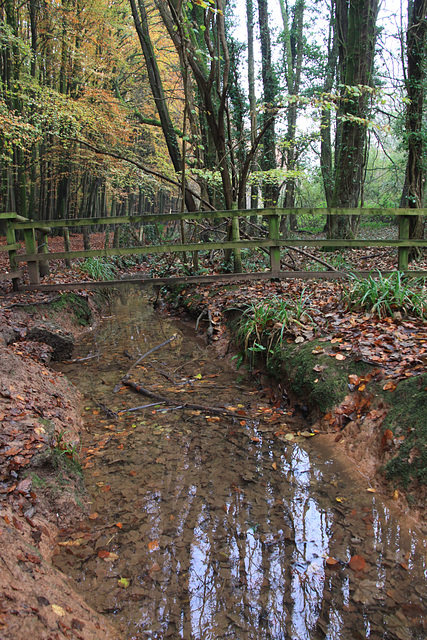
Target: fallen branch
<point x="95" y="355"/>
<point x="108" y="412"/>
<point x="159" y="346"/>
<point x="171" y="403"/>
<point x="309" y="255"/>
<point x="142" y="406"/>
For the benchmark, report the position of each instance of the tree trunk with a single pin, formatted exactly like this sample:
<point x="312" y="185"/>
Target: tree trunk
<point x="413" y="192"/>
<point x="141" y="26"/>
<point x="269" y="82"/>
<point x="356" y="24"/>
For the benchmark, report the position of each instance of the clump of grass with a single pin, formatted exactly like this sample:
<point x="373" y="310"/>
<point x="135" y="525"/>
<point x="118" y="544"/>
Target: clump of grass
<point x="264" y="324"/>
<point x="99" y="268"/>
<point x="383" y="296"/>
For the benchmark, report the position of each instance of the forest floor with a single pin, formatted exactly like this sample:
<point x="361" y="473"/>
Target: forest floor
<point x="363" y="378"/>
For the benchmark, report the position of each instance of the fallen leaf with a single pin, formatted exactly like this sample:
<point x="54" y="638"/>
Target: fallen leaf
<point x="111" y="557"/>
<point x="153" y="545"/>
<point x="340" y="356"/>
<point x="58" y="610"/>
<point x="123" y="583"/>
<point x="357" y="563"/>
<point x="389" y="385"/>
<point x="332" y="562"/>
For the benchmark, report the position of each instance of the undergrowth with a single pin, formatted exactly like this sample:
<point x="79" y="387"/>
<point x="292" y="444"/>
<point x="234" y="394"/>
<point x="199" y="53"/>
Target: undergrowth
<point x="99" y="268"/>
<point x="264" y="324"/>
<point x="383" y="296"/>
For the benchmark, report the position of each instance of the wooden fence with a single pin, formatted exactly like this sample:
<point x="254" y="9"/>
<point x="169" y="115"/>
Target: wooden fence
<point x="271" y="243"/>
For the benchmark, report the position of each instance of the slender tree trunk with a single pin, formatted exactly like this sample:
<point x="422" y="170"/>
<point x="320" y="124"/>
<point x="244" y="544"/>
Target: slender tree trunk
<point x="141" y="25"/>
<point x="252" y="96"/>
<point x="269" y="83"/>
<point x="413" y="192"/>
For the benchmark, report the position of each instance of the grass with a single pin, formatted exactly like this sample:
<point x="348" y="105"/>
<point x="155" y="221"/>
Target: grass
<point x="264" y="324"/>
<point x="384" y="295"/>
<point x="99" y="268"/>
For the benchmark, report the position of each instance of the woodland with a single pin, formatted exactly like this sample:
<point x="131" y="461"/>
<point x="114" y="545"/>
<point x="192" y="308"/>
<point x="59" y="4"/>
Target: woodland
<point x="117" y="108"/>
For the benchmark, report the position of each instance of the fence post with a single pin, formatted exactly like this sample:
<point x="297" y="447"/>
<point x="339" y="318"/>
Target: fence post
<point x="11" y="239"/>
<point x="43" y="248"/>
<point x="273" y="234"/>
<point x="403" y="252"/>
<point x="31" y="248"/>
<point x="235" y="236"/>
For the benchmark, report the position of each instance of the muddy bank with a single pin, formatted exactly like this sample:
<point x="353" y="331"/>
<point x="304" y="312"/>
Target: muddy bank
<point x="41" y="488"/>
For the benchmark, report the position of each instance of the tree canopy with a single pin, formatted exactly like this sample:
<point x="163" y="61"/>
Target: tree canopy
<point x="109" y="108"/>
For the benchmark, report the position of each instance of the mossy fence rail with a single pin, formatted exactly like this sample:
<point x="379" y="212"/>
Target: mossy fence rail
<point x="37" y="258"/>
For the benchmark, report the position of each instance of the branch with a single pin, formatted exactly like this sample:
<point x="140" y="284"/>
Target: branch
<point x="152" y="172"/>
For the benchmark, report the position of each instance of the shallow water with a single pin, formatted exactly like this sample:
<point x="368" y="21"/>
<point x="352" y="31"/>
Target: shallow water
<point x="207" y="526"/>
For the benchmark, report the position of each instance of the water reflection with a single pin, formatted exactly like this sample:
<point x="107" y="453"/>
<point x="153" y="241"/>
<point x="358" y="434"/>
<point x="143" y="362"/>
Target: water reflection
<point x="224" y="529"/>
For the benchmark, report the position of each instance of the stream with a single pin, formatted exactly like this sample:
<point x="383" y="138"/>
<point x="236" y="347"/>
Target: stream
<point x="206" y="526"/>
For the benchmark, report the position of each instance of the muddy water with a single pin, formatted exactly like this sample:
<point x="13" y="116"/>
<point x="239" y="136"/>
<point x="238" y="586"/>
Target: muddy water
<point x="206" y="526"/>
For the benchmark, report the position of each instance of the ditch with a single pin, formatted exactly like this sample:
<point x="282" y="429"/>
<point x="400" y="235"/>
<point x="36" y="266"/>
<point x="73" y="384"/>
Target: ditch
<point x="208" y="526"/>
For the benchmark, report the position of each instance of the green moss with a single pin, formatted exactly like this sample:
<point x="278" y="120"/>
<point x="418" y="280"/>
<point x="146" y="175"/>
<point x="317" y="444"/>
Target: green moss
<point x="408" y="418"/>
<point x="322" y="389"/>
<point x="77" y="304"/>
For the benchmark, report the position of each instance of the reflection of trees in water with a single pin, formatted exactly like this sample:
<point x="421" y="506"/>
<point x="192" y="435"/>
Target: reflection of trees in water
<point x="233" y="565"/>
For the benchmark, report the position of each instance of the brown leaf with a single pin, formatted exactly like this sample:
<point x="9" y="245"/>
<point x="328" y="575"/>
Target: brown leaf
<point x="357" y="563"/>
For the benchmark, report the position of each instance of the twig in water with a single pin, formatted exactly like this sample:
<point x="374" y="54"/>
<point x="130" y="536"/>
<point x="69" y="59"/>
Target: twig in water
<point x="159" y="346"/>
<point x="187" y="405"/>
<point x="143" y="406"/>
<point x="95" y="355"/>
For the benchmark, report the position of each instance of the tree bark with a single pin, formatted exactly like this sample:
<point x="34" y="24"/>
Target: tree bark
<point x="413" y="191"/>
<point x="356" y="23"/>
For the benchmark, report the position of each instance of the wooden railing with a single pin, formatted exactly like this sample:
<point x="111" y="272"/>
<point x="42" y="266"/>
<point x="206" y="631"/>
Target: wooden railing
<point x="272" y="243"/>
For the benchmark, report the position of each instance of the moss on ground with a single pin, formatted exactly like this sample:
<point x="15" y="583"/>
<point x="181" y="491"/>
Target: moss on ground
<point x="407" y="418"/>
<point x="78" y="305"/>
<point x="319" y="378"/>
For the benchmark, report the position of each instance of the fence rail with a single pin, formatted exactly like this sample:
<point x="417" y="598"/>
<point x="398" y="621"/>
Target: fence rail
<point x="37" y="260"/>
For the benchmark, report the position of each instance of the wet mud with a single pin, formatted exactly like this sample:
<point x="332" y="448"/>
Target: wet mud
<point x="208" y="526"/>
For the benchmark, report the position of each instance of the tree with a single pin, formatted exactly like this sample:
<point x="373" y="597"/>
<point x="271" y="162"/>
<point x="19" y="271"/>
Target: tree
<point x="270" y="90"/>
<point x="416" y="41"/>
<point x="356" y="28"/>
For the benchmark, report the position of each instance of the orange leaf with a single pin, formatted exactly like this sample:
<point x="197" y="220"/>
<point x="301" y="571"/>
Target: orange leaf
<point x="353" y="379"/>
<point x="103" y="553"/>
<point x="390" y="386"/>
<point x="94" y="516"/>
<point x="357" y="563"/>
<point x="154" y="545"/>
<point x="255" y="439"/>
<point x="274" y="465"/>
<point x="332" y="562"/>
<point x="119" y="525"/>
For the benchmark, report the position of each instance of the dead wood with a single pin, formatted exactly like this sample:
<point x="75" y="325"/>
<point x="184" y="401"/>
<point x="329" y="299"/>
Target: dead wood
<point x="309" y="255"/>
<point x="159" y="346"/>
<point x="171" y="403"/>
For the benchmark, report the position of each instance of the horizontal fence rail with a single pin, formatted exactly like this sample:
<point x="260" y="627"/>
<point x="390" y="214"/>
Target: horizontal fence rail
<point x="37" y="259"/>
